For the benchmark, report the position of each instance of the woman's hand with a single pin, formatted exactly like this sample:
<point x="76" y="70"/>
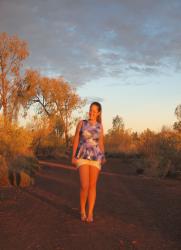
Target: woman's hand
<point x="74" y="160"/>
<point x="103" y="161"/>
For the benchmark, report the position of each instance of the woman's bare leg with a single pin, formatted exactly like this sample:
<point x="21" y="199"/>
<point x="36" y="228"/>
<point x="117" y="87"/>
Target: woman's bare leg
<point x="93" y="176"/>
<point x="84" y="184"/>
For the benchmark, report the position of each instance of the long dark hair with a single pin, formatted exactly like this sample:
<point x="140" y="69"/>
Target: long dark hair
<point x="99" y="107"/>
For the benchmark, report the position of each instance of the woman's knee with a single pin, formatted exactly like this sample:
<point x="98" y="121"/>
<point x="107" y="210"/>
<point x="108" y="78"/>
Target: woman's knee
<point x="92" y="185"/>
<point x="84" y="187"/>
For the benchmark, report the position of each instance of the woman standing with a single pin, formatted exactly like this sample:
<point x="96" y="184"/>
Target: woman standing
<point x="88" y="155"/>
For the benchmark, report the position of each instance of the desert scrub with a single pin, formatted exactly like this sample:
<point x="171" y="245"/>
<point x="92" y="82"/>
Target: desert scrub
<point x="162" y="152"/>
<point x="16" y="154"/>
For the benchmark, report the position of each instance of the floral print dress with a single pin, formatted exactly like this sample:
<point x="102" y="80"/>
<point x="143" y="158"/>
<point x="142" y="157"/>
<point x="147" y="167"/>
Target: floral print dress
<point x="88" y="147"/>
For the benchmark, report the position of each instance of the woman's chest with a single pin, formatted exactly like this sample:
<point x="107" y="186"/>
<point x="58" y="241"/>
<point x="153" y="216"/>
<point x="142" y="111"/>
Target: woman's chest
<point x="90" y="133"/>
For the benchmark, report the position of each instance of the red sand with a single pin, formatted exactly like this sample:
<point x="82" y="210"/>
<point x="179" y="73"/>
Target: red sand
<point x="131" y="212"/>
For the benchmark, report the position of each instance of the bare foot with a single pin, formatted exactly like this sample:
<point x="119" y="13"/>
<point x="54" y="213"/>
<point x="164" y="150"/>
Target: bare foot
<point x="83" y="217"/>
<point x="90" y="218"/>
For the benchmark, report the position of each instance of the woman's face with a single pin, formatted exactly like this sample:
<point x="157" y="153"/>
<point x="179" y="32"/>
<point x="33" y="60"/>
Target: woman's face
<point x="93" y="112"/>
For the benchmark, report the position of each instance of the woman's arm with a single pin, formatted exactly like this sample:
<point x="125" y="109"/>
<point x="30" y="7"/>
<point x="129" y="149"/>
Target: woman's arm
<point x="76" y="141"/>
<point x="101" y="142"/>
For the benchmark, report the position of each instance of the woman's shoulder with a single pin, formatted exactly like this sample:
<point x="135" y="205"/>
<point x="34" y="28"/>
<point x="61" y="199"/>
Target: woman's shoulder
<point x="81" y="123"/>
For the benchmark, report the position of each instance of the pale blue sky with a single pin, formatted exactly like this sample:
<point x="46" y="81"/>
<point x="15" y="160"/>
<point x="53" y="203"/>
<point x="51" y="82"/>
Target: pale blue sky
<point x="125" y="53"/>
<point x="147" y="105"/>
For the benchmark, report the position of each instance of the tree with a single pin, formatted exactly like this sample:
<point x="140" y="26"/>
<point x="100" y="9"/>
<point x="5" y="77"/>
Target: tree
<point x="177" y="125"/>
<point x="12" y="53"/>
<point x="116" y="136"/>
<point x="178" y="112"/>
<point x="55" y="98"/>
<point x="117" y="125"/>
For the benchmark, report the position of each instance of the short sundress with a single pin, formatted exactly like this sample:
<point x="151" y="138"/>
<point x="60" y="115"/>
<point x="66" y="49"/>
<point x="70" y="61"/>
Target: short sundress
<point x="88" y="147"/>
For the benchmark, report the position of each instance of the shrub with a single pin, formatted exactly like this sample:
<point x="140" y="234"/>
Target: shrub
<point x="16" y="155"/>
<point x="162" y="152"/>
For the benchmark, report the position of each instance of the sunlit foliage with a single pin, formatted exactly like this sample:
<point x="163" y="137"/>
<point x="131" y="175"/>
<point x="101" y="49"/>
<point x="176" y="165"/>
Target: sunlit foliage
<point x="12" y="53"/>
<point x="159" y="153"/>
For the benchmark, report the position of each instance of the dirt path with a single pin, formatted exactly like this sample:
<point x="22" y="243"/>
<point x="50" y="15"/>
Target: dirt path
<point x="132" y="212"/>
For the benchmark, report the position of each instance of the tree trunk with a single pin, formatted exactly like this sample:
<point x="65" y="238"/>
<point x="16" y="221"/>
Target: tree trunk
<point x="4" y="99"/>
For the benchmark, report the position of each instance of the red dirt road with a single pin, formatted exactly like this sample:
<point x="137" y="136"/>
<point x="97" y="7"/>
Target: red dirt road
<point x="131" y="212"/>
